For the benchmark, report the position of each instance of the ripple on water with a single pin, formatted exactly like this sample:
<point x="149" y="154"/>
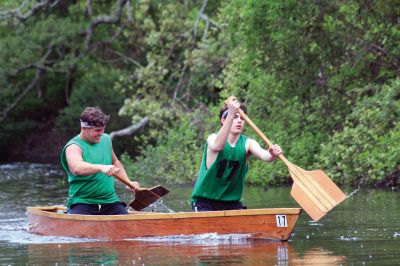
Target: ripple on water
<point x="312" y="223"/>
<point x="348" y="238"/>
<point x="16" y="171"/>
<point x="208" y="238"/>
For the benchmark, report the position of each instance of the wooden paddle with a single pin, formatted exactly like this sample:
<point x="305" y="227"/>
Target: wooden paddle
<point x="143" y="196"/>
<point x="315" y="192"/>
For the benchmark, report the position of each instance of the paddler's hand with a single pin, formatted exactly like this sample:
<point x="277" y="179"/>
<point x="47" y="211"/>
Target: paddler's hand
<point x="233" y="105"/>
<point x="135" y="185"/>
<point x="275" y="150"/>
<point x="109" y="170"/>
<point x="230" y="99"/>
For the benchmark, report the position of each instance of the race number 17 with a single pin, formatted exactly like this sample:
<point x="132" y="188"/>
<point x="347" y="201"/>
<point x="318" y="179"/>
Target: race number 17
<point x="281" y="220"/>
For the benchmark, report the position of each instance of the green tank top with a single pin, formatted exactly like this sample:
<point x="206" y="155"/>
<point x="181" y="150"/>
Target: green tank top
<point x="224" y="180"/>
<point x="93" y="189"/>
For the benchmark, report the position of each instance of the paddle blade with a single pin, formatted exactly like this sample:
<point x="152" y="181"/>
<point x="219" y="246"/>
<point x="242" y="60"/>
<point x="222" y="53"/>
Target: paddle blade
<point x="145" y="197"/>
<point x="315" y="192"/>
<point x="328" y="185"/>
<point x="159" y="190"/>
<point x="306" y="203"/>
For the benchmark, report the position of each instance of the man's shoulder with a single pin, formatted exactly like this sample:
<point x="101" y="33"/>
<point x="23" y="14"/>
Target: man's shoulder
<point x="74" y="140"/>
<point x="249" y="140"/>
<point x="106" y="136"/>
<point x="212" y="136"/>
<point x="74" y="143"/>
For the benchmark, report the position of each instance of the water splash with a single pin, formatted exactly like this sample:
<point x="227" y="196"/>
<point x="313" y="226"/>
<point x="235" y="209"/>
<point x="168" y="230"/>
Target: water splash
<point x="23" y="237"/>
<point x="14" y="230"/>
<point x="158" y="206"/>
<point x="362" y="180"/>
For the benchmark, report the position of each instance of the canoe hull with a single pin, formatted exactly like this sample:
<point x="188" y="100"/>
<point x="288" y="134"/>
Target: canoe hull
<point x="276" y="223"/>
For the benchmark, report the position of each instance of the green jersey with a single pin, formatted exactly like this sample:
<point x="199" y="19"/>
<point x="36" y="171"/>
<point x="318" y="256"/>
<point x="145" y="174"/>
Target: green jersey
<point x="224" y="180"/>
<point x="93" y="189"/>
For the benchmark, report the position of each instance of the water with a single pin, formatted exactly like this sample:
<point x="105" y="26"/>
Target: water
<point x="363" y="230"/>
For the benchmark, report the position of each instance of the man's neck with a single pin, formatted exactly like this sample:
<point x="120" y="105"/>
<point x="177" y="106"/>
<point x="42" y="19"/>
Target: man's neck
<point x="233" y="137"/>
<point x="82" y="136"/>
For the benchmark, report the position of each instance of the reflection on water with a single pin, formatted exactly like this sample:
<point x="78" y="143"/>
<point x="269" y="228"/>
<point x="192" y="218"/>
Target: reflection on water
<point x="364" y="229"/>
<point x="165" y="253"/>
<point x="319" y="256"/>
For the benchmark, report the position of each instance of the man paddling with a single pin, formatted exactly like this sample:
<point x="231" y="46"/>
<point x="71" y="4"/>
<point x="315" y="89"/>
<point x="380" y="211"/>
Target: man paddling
<point x="220" y="182"/>
<point x="90" y="163"/>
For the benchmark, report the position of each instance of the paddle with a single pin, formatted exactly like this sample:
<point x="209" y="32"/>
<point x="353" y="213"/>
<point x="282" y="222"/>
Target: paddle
<point x="314" y="191"/>
<point x="143" y="196"/>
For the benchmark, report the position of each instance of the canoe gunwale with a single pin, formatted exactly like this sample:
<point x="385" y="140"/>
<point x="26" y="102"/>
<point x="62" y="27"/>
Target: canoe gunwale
<point x="51" y="211"/>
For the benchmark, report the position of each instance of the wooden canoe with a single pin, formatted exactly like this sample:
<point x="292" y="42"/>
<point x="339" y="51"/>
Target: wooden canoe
<point x="271" y="223"/>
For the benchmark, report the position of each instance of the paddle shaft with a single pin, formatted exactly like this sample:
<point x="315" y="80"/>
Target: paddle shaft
<point x="259" y="133"/>
<point x="123" y="180"/>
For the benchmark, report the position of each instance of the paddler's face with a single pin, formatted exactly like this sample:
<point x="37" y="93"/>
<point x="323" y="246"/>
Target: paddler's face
<point x="93" y="135"/>
<point x="238" y="124"/>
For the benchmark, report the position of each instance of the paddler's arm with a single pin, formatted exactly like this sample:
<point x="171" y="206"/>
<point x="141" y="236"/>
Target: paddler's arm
<point x="269" y="155"/>
<point x="122" y="173"/>
<point x="78" y="166"/>
<point x="217" y="142"/>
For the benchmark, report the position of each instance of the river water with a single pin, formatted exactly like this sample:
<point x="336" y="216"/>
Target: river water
<point x="363" y="230"/>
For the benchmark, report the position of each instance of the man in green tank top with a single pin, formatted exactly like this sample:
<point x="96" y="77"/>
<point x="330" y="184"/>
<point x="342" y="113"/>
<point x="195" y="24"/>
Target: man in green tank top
<point x="223" y="168"/>
<point x="90" y="163"/>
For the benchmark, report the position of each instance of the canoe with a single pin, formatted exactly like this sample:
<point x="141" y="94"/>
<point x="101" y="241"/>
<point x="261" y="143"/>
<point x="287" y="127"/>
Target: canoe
<point x="270" y="223"/>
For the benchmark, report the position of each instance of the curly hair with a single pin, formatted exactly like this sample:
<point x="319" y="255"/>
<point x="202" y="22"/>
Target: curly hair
<point x="94" y="116"/>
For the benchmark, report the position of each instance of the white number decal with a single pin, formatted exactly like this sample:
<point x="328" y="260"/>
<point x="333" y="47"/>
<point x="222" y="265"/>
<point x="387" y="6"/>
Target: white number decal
<point x="281" y="220"/>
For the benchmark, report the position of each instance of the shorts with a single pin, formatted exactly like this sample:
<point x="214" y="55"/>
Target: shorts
<point x="115" y="208"/>
<point x="203" y="205"/>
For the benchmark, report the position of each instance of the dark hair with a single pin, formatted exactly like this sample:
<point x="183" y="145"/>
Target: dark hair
<point x="94" y="116"/>
<point x="223" y="109"/>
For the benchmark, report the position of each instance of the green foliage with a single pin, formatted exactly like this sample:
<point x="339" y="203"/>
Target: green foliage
<point x="178" y="71"/>
<point x="161" y="118"/>
<point x="27" y="48"/>
<point x="300" y="67"/>
<point x="93" y="88"/>
<point x="177" y="65"/>
<point x="365" y="150"/>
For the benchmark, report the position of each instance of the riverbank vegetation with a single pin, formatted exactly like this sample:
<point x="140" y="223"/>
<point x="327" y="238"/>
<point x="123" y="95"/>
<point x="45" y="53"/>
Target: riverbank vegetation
<point x="321" y="78"/>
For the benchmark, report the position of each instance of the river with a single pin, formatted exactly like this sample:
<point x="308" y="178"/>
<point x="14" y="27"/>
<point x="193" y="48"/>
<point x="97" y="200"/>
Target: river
<point x="363" y="230"/>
